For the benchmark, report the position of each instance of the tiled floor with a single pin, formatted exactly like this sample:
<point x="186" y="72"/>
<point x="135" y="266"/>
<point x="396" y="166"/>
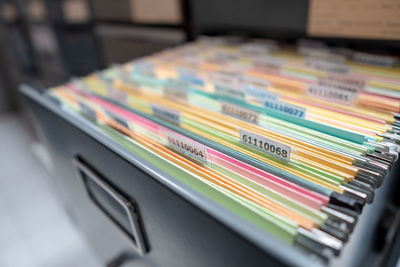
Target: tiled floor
<point x="34" y="231"/>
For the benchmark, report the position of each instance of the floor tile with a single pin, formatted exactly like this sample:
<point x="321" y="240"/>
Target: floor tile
<point x="34" y="229"/>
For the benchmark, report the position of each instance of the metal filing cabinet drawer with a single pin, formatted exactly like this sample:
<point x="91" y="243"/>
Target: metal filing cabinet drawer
<point x="178" y="226"/>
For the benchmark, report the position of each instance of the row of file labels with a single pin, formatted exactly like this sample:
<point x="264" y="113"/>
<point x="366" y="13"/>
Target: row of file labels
<point x="296" y="141"/>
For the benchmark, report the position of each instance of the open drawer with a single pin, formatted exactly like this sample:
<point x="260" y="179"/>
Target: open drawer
<point x="133" y="213"/>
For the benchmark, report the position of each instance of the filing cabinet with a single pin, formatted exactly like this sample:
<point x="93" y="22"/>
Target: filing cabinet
<point x="173" y="224"/>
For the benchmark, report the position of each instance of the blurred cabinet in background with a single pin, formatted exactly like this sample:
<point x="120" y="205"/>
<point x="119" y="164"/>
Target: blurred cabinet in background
<point x="49" y="60"/>
<point x="118" y="10"/>
<point x="79" y="50"/>
<point x="53" y="40"/>
<point x="123" y="43"/>
<point x="9" y="12"/>
<point x="35" y="10"/>
<point x="73" y="25"/>
<point x="127" y="29"/>
<point x="166" y="12"/>
<point x="45" y="46"/>
<point x="69" y="12"/>
<point x="17" y="62"/>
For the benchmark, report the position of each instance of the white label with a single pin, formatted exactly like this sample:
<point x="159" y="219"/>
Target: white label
<point x="232" y="91"/>
<point x="187" y="147"/>
<point x="327" y="66"/>
<point x="176" y="90"/>
<point x="321" y="54"/>
<point x="225" y="56"/>
<point x="377" y="60"/>
<point x="310" y="50"/>
<point x="258" y="94"/>
<point x="265" y="145"/>
<point x="352" y="80"/>
<point x="181" y="84"/>
<point x="237" y="68"/>
<point x="255" y="49"/>
<point x="286" y="108"/>
<point x="190" y="75"/>
<point x="175" y="94"/>
<point x="346" y="52"/>
<point x="240" y="113"/>
<point x="246" y="79"/>
<point x="223" y="77"/>
<point x="331" y="94"/>
<point x="337" y="85"/>
<point x="267" y="62"/>
<point x="165" y="113"/>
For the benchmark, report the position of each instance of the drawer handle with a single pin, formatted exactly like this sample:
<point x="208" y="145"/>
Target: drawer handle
<point x="120" y="209"/>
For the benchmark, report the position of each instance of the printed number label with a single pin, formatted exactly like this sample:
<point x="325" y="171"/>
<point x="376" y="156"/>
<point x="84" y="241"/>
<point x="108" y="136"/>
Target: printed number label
<point x="223" y="89"/>
<point x="165" y="113"/>
<point x="176" y="90"/>
<point x="339" y="96"/>
<point x="240" y="113"/>
<point x="267" y="62"/>
<point x="255" y="49"/>
<point x="324" y="82"/>
<point x="377" y="60"/>
<point x="175" y="94"/>
<point x="187" y="147"/>
<point x="287" y="108"/>
<point x="351" y="80"/>
<point x="254" y="81"/>
<point x="258" y="94"/>
<point x="321" y="54"/>
<point x="265" y="145"/>
<point x="327" y="66"/>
